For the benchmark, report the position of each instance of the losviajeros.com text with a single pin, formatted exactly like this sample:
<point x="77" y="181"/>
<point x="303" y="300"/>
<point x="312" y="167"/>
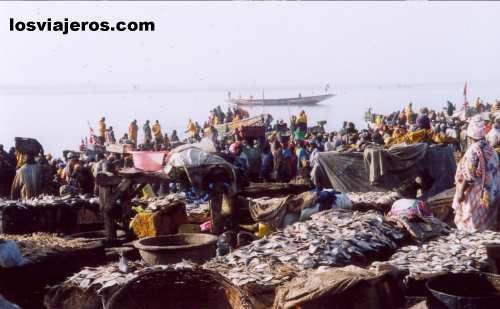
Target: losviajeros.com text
<point x="65" y="26"/>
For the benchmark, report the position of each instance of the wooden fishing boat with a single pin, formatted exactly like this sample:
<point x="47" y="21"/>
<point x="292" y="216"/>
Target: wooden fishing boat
<point x="228" y="128"/>
<point x="259" y="120"/>
<point x="301" y="101"/>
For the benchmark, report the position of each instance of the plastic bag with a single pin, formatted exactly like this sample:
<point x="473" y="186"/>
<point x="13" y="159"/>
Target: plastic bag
<point x="5" y="304"/>
<point x="409" y="208"/>
<point x="306" y="213"/>
<point x="342" y="201"/>
<point x="10" y="255"/>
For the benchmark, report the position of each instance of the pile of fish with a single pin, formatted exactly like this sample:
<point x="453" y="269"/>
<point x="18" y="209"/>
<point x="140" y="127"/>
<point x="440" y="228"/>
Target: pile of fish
<point x="457" y="252"/>
<point x="197" y="210"/>
<point x="68" y="200"/>
<point x="381" y="201"/>
<point x="113" y="275"/>
<point x="45" y="213"/>
<point x="157" y="203"/>
<point x="332" y="238"/>
<point x="38" y="245"/>
<point x="51" y="200"/>
<point x="198" y="213"/>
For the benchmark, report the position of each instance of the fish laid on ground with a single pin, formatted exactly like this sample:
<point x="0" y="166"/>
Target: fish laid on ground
<point x="331" y="238"/>
<point x="457" y="252"/>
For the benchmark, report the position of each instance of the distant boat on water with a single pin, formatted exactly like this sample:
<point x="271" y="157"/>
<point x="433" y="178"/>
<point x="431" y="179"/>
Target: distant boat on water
<point x="311" y="100"/>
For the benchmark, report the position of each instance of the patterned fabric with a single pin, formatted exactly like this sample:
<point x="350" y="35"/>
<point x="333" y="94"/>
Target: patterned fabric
<point x="480" y="169"/>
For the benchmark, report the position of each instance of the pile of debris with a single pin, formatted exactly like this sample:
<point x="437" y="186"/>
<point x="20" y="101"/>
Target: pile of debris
<point x="333" y="238"/>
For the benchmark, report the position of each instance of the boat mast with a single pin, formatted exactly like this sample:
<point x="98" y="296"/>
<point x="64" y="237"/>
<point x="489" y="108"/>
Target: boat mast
<point x="263" y="103"/>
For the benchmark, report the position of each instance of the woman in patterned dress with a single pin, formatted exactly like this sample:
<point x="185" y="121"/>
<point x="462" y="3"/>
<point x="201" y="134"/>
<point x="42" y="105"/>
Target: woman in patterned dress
<point x="477" y="197"/>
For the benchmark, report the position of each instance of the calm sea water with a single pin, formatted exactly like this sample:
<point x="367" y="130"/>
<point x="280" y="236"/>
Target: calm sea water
<point x="59" y="120"/>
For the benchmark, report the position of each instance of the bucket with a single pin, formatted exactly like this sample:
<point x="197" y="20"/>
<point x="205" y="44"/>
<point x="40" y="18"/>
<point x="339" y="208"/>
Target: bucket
<point x="180" y="289"/>
<point x="464" y="291"/>
<point x="170" y="249"/>
<point x="148" y="161"/>
<point x="493" y="252"/>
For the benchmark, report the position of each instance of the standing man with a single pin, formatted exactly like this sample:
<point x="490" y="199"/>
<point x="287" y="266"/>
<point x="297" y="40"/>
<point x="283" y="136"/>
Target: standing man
<point x="166" y="141"/>
<point x="147" y="133"/>
<point x="110" y="136"/>
<point x="132" y="132"/>
<point x="493" y="136"/>
<point x="28" y="181"/>
<point x="157" y="133"/>
<point x="102" y="130"/>
<point x="450" y="108"/>
<point x="409" y="113"/>
<point x="174" y="138"/>
<point x="191" y="129"/>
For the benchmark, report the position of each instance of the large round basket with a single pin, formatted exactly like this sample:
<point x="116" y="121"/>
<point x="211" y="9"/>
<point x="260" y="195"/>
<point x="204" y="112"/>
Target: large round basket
<point x="180" y="289"/>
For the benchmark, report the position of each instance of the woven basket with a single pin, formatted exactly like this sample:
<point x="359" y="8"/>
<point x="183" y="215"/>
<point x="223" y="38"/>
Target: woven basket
<point x="180" y="289"/>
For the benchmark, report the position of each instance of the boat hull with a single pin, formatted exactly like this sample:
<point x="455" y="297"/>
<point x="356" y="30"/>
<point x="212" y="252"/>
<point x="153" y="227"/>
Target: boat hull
<point x="312" y="100"/>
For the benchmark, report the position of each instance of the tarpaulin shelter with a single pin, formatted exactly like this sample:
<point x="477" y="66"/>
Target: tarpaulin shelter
<point x="380" y="169"/>
<point x="190" y="156"/>
<point x="350" y="287"/>
<point x="273" y="210"/>
<point x="197" y="162"/>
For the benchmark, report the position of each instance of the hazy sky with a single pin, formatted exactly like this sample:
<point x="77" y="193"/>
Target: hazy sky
<point x="249" y="44"/>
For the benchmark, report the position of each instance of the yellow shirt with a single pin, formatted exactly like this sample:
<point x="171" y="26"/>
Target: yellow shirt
<point x="157" y="130"/>
<point x="102" y="128"/>
<point x="132" y="132"/>
<point x="302" y="118"/>
<point x="191" y="128"/>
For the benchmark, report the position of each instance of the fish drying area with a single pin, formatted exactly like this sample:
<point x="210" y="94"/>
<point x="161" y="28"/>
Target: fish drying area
<point x="285" y="245"/>
<point x="334" y="244"/>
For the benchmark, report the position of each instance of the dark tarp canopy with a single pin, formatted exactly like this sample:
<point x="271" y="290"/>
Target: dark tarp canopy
<point x="388" y="169"/>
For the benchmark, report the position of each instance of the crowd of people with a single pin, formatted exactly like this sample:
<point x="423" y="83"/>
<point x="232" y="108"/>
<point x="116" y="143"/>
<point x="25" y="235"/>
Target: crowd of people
<point x="288" y="151"/>
<point x="153" y="137"/>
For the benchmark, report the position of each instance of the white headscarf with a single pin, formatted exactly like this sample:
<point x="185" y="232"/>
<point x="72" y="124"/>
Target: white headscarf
<point x="476" y="128"/>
